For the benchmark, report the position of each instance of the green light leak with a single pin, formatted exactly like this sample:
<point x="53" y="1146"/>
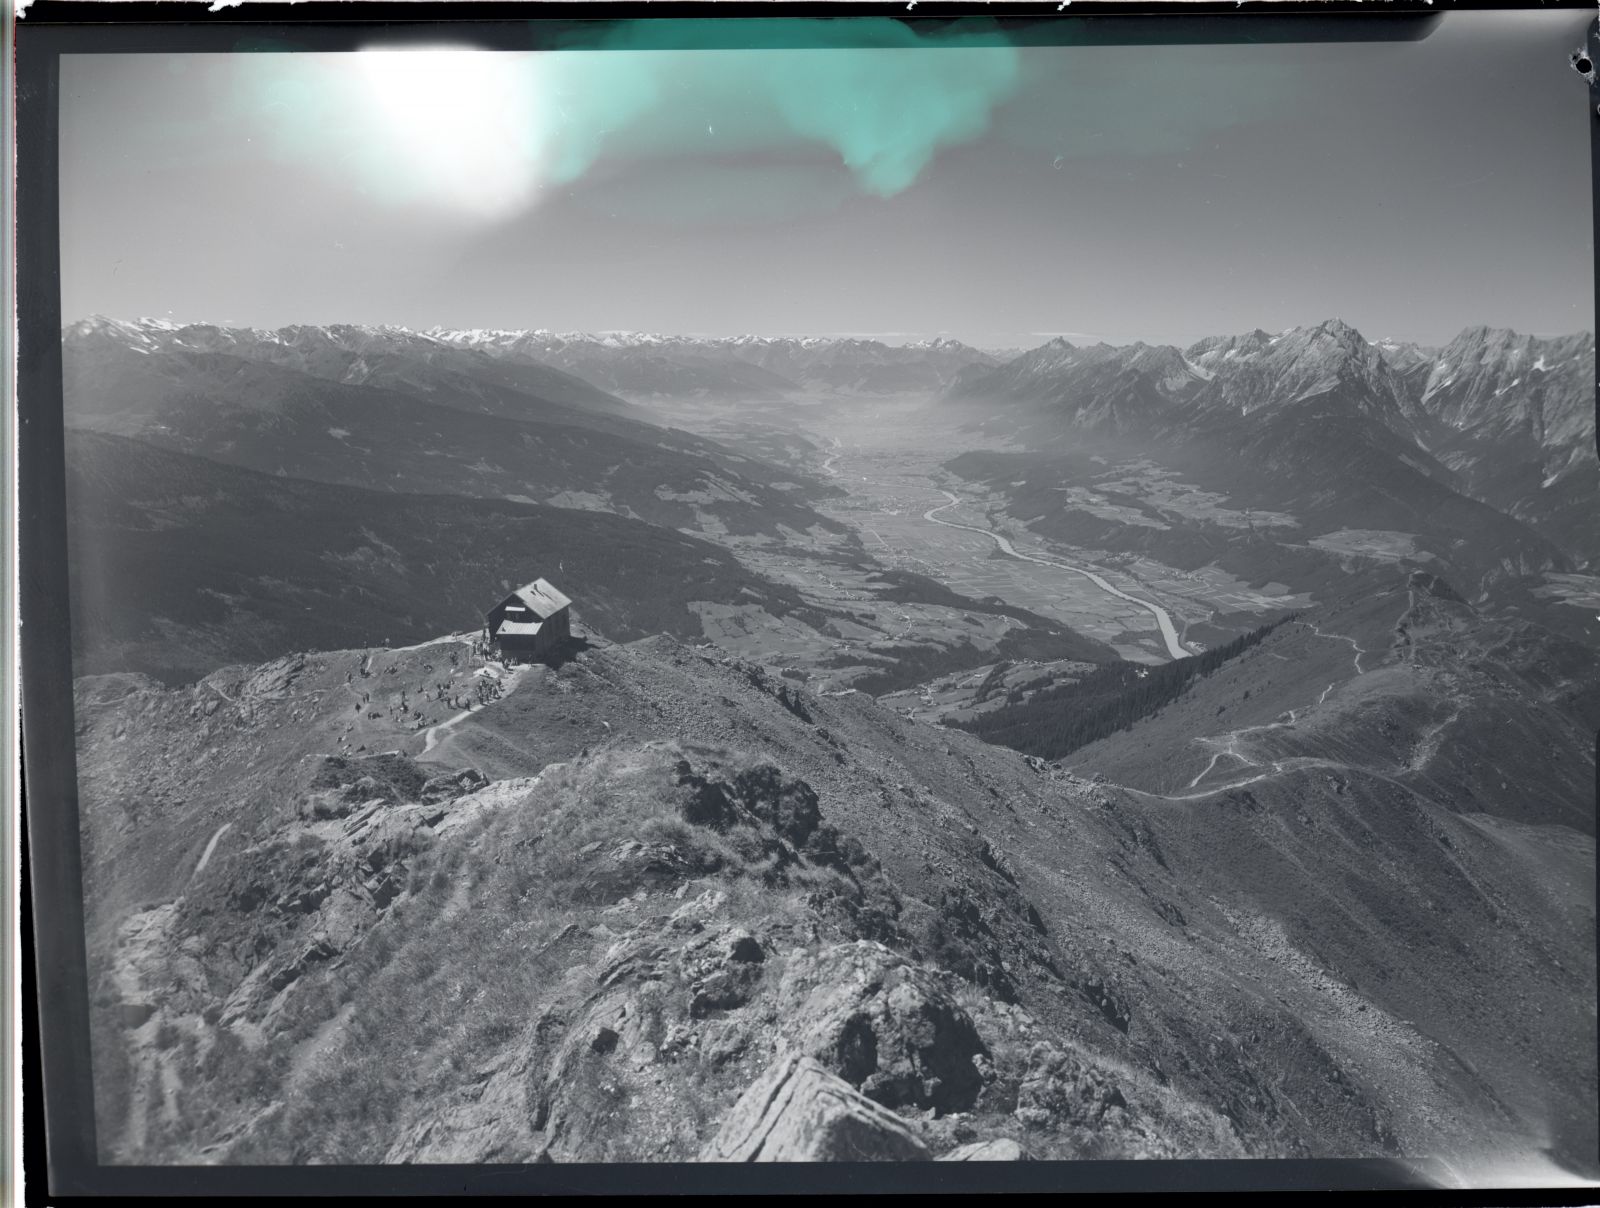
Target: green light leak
<point x="881" y="96"/>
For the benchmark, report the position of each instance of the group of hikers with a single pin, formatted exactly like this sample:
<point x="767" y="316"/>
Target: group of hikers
<point x="485" y="688"/>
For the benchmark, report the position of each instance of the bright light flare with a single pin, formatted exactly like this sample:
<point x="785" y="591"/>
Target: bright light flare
<point x="459" y="125"/>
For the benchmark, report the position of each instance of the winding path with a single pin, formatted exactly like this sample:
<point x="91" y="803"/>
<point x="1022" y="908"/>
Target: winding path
<point x="205" y="856"/>
<point x="1277" y="767"/>
<point x="508" y="684"/>
<point x="1169" y="634"/>
<point x="1339" y="637"/>
<point x="465" y="636"/>
<point x="1230" y="746"/>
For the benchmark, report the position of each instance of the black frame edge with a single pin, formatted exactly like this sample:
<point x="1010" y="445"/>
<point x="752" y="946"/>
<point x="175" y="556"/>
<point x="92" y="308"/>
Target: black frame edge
<point x="50" y="799"/>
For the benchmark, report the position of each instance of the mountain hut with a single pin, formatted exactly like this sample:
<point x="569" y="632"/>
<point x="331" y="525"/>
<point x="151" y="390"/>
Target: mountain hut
<point x="531" y="623"/>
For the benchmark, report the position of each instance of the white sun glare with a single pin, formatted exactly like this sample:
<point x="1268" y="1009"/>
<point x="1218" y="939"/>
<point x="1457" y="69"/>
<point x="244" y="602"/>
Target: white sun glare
<point x="459" y="122"/>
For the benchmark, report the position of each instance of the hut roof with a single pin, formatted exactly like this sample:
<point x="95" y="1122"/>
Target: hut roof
<point x="542" y="598"/>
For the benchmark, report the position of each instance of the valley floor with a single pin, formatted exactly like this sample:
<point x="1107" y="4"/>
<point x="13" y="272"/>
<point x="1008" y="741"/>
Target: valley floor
<point x="887" y="455"/>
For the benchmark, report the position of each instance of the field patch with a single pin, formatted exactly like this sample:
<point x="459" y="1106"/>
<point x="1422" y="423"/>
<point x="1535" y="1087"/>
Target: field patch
<point x="1580" y="591"/>
<point x="1384" y="545"/>
<point x="1164" y="491"/>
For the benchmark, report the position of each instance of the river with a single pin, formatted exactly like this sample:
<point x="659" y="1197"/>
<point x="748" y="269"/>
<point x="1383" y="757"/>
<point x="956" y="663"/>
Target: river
<point x="1169" y="634"/>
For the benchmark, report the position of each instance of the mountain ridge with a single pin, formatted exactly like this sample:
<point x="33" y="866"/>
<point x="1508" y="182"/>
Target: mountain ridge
<point x="1322" y="404"/>
<point x="400" y="434"/>
<point x="659" y="832"/>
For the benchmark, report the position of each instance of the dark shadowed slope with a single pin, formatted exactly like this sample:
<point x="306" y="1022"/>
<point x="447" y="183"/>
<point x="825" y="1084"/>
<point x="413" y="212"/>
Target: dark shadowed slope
<point x="392" y="436"/>
<point x="180" y="564"/>
<point x="1480" y="714"/>
<point x="357" y="355"/>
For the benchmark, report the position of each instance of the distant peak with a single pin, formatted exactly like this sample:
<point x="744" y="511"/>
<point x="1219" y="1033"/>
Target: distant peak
<point x="1480" y="333"/>
<point x="1339" y="330"/>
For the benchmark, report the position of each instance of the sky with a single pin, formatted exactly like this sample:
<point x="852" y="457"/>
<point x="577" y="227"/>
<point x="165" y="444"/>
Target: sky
<point x="887" y="183"/>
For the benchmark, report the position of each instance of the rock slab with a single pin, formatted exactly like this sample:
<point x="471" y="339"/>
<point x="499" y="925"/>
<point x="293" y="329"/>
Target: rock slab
<point x="798" y="1112"/>
<point x="1001" y="1149"/>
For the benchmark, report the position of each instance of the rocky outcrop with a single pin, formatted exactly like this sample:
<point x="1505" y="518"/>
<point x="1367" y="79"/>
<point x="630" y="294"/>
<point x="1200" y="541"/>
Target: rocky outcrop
<point x="1000" y="1149"/>
<point x="669" y="1016"/>
<point x="889" y="1027"/>
<point x="798" y="1112"/>
<point x="341" y="786"/>
<point x="723" y="971"/>
<point x="439" y="789"/>
<point x="1060" y="1091"/>
<point x="757" y="796"/>
<point x="391" y="776"/>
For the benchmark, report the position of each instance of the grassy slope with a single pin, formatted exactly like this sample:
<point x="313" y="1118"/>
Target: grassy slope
<point x="1481" y="716"/>
<point x="181" y="565"/>
<point x="1058" y="720"/>
<point x="1288" y="473"/>
<point x="385" y="437"/>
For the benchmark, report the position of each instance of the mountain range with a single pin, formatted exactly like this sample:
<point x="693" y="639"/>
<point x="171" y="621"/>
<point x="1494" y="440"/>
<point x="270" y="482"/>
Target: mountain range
<point x="750" y="367"/>
<point x="1493" y="417"/>
<point x="722" y="883"/>
<point x="389" y="410"/>
<point x="1388" y="435"/>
